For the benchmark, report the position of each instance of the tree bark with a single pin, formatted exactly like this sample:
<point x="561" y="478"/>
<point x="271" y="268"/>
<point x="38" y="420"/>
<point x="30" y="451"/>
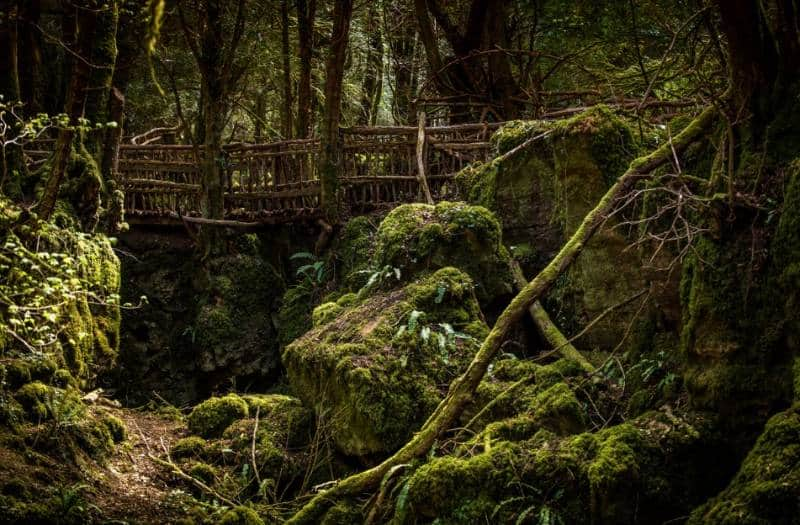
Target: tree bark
<point x="103" y="58"/>
<point x="373" y="76"/>
<point x="462" y="389"/>
<point x="79" y="25"/>
<point x="331" y="146"/>
<point x="286" y="122"/>
<point x="30" y="57"/>
<point x="306" y="14"/>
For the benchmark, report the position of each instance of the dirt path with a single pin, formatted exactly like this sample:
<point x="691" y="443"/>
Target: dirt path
<point x="132" y="488"/>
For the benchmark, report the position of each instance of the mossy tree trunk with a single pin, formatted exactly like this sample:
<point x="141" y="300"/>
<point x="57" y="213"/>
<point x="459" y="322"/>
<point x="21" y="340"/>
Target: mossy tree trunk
<point x="330" y="158"/>
<point x="79" y="27"/>
<point x="462" y="389"/>
<point x="738" y="312"/>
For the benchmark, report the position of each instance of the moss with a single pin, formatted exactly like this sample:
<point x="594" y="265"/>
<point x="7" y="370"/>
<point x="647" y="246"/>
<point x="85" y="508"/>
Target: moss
<point x="211" y="417"/>
<point x="325" y="313"/>
<point x="343" y="513"/>
<point x="643" y="471"/>
<point x="187" y="447"/>
<point x="375" y="383"/>
<point x="35" y="398"/>
<point x="241" y="516"/>
<point x="541" y="194"/>
<point x="352" y="248"/>
<point x="93" y="437"/>
<point x="766" y="488"/>
<point x="294" y="316"/>
<point x="445" y="486"/>
<point x="18" y="373"/>
<point x="116" y="427"/>
<point x="233" y="329"/>
<point x="558" y="409"/>
<point x="204" y="472"/>
<point x="63" y="378"/>
<point x="419" y="237"/>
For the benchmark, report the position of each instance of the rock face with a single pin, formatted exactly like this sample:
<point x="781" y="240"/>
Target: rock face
<point x="377" y="369"/>
<point x="201" y="326"/>
<point x="542" y="191"/>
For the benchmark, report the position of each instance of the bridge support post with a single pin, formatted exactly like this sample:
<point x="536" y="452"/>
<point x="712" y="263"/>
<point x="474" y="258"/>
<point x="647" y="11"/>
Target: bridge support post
<point x="423" y="181"/>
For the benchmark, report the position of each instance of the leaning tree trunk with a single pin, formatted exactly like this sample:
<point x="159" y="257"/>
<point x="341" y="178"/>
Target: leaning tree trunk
<point x="463" y="388"/>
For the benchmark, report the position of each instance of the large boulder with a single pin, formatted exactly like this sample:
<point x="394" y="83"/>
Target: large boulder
<point x="416" y="238"/>
<point x="377" y="369"/>
<point x="542" y="191"/>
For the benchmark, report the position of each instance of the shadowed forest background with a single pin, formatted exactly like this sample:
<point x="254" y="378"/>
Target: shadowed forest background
<point x="413" y="261"/>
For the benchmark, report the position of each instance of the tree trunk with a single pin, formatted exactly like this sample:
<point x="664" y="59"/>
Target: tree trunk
<point x="30" y="59"/>
<point x="373" y="76"/>
<point x="306" y="14"/>
<point x="12" y="163"/>
<point x="331" y="146"/>
<point x="286" y="121"/>
<point x="79" y="25"/>
<point x="401" y="37"/>
<point x="103" y="58"/>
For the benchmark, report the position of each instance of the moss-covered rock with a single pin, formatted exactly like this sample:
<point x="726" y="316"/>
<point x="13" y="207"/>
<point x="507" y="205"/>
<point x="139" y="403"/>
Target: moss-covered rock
<point x="191" y="446"/>
<point x="767" y="487"/>
<point x="241" y="516"/>
<point x="419" y="237"/>
<point x="234" y="331"/>
<point x="211" y="417"/>
<point x="636" y="472"/>
<point x="376" y="370"/>
<point x="541" y="193"/>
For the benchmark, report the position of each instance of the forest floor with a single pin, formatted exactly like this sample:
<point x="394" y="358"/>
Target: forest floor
<point x="132" y="488"/>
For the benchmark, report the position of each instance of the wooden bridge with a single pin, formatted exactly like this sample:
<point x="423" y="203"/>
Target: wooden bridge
<point x="278" y="182"/>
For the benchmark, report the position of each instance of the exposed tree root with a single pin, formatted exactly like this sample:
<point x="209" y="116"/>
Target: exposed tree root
<point x="463" y="388"/>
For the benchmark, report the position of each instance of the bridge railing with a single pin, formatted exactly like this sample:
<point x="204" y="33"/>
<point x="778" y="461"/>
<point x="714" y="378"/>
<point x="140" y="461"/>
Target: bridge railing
<point x="380" y="166"/>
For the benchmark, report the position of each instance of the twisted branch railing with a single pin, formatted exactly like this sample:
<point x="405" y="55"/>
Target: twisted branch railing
<point x="277" y="182"/>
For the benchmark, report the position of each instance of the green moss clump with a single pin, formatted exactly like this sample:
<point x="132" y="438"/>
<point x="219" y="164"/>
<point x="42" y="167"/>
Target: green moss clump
<point x="294" y="316"/>
<point x="211" y="417"/>
<point x="325" y="313"/>
<point x="35" y="399"/>
<point x="638" y="472"/>
<point x="766" y="488"/>
<point x="558" y="409"/>
<point x="116" y="427"/>
<point x="343" y="513"/>
<point x="377" y="382"/>
<point x="241" y="516"/>
<point x="191" y="446"/>
<point x="419" y="237"/>
<point x="204" y="472"/>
